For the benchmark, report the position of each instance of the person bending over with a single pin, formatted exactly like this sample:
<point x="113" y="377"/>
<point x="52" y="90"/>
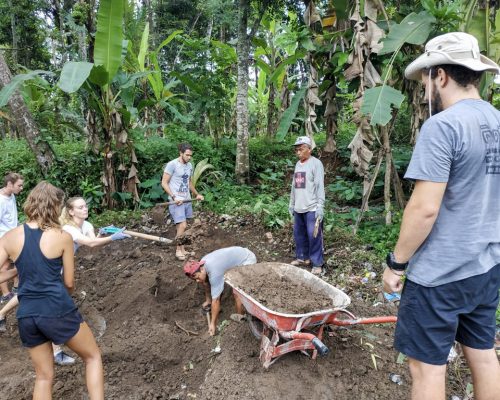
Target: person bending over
<point x="210" y="270"/>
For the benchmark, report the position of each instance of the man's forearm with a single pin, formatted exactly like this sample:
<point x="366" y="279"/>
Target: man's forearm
<point x="415" y="227"/>
<point x="192" y="188"/>
<point x="215" y="310"/>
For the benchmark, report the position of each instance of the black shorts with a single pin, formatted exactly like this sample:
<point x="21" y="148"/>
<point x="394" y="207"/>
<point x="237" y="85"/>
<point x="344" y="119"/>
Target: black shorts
<point x="37" y="330"/>
<point x="430" y="319"/>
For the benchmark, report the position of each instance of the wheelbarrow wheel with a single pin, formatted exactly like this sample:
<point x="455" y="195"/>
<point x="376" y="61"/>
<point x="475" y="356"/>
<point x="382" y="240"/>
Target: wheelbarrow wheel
<point x="256" y="326"/>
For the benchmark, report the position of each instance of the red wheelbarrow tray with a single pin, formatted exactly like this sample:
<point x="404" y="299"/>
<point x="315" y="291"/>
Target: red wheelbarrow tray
<point x="287" y="327"/>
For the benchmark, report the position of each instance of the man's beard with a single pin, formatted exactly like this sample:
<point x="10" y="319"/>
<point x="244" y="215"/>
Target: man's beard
<point x="436" y="101"/>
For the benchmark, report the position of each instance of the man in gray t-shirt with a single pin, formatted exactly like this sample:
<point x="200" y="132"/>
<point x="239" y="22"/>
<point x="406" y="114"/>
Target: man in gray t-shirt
<point x="307" y="203"/>
<point x="210" y="272"/>
<point x="450" y="234"/>
<point x="176" y="182"/>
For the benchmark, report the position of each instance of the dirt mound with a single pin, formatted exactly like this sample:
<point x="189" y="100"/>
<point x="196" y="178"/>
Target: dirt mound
<point x="146" y="315"/>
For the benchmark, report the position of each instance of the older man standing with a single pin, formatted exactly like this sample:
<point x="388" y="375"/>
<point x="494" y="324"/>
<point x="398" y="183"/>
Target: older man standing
<point x="12" y="186"/>
<point x="449" y="242"/>
<point x="307" y="203"/>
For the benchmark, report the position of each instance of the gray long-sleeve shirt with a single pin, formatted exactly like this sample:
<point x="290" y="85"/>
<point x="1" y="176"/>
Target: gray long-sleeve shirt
<point x="308" y="186"/>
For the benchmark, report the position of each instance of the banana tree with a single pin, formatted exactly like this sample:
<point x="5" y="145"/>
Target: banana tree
<point x="482" y="19"/>
<point x="146" y="63"/>
<point x="97" y="78"/>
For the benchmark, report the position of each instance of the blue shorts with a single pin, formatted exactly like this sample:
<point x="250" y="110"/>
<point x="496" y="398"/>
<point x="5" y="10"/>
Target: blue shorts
<point x="37" y="330"/>
<point x="430" y="319"/>
<point x="181" y="213"/>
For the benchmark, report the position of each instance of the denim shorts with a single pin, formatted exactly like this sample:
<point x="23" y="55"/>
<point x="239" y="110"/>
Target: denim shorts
<point x="181" y="213"/>
<point x="37" y="330"/>
<point x="430" y="319"/>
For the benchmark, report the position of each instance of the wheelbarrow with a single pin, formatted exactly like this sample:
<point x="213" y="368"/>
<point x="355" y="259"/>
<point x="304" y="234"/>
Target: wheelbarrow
<point x="282" y="333"/>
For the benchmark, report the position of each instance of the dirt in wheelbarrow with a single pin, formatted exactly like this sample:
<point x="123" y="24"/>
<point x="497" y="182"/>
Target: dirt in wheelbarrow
<point x="285" y="293"/>
<point x="147" y="319"/>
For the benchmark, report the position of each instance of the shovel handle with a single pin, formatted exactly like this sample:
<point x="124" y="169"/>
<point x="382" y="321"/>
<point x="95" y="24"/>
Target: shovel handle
<point x="148" y="237"/>
<point x="171" y="203"/>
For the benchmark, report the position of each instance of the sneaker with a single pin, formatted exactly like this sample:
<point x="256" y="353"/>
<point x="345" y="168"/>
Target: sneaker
<point x="7" y="297"/>
<point x="3" y="325"/>
<point x="61" y="358"/>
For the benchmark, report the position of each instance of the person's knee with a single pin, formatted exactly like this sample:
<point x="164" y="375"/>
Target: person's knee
<point x="92" y="357"/>
<point x="420" y="370"/>
<point x="45" y="374"/>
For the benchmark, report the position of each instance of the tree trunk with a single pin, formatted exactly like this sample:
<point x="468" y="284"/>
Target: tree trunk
<point x="15" y="39"/>
<point x="90" y="25"/>
<point x="25" y="124"/>
<point x="271" y="111"/>
<point x="242" y="167"/>
<point x="387" y="177"/>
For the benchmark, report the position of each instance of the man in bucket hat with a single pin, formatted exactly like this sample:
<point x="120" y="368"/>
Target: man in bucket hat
<point x="209" y="271"/>
<point x="449" y="243"/>
<point x="307" y="204"/>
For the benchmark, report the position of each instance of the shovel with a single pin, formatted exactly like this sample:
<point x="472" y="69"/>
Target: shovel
<point x="316" y="227"/>
<point x="114" y="229"/>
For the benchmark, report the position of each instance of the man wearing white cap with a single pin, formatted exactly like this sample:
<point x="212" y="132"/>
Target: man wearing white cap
<point x="307" y="203"/>
<point x="449" y="243"/>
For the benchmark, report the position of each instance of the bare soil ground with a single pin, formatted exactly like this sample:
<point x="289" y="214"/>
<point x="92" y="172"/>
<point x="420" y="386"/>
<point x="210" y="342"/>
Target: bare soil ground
<point x="153" y="336"/>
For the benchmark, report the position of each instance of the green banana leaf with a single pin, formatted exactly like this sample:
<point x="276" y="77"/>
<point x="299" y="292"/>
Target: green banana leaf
<point x="73" y="75"/>
<point x="413" y="29"/>
<point x="144" y="48"/>
<point x="290" y="113"/>
<point x="14" y="84"/>
<point x="168" y="39"/>
<point x="377" y="103"/>
<point x="98" y="75"/>
<point x="109" y="36"/>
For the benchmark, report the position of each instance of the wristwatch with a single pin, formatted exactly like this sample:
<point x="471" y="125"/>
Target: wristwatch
<point x="393" y="264"/>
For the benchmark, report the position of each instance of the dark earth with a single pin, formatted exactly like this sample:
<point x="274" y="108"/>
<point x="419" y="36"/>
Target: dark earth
<point x="153" y="336"/>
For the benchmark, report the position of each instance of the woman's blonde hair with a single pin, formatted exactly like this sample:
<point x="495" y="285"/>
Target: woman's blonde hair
<point x="43" y="205"/>
<point x="66" y="218"/>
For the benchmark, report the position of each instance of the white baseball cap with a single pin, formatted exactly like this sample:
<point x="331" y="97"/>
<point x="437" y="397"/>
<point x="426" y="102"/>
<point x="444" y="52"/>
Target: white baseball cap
<point x="303" y="140"/>
<point x="457" y="48"/>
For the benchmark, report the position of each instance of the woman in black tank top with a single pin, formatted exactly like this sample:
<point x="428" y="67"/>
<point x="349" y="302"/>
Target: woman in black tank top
<point x="46" y="311"/>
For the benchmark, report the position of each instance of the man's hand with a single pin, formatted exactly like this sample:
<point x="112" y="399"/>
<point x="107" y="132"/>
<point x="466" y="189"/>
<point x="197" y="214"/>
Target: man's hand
<point x="178" y="200"/>
<point x="392" y="281"/>
<point x="290" y="211"/>
<point x="320" y="212"/>
<point x="200" y="197"/>
<point x="212" y="329"/>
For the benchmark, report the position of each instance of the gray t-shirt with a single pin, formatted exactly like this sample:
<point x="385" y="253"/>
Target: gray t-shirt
<point x="460" y="146"/>
<point x="219" y="261"/>
<point x="308" y="186"/>
<point x="180" y="174"/>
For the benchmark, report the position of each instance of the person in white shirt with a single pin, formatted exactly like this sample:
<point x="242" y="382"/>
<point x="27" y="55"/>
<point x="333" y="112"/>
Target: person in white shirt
<point x="12" y="185"/>
<point x="74" y="221"/>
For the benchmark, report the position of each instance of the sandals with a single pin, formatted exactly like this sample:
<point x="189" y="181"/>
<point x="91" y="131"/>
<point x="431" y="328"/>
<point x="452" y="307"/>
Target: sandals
<point x="318" y="271"/>
<point x="301" y="263"/>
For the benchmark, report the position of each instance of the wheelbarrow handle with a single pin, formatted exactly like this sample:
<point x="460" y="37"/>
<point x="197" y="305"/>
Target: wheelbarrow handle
<point x="360" y="321"/>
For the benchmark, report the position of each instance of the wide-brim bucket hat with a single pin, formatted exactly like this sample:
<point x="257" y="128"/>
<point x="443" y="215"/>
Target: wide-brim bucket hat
<point x="458" y="48"/>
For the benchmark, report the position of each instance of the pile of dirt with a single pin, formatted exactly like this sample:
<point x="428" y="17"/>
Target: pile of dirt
<point x="146" y="315"/>
<point x="285" y="288"/>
